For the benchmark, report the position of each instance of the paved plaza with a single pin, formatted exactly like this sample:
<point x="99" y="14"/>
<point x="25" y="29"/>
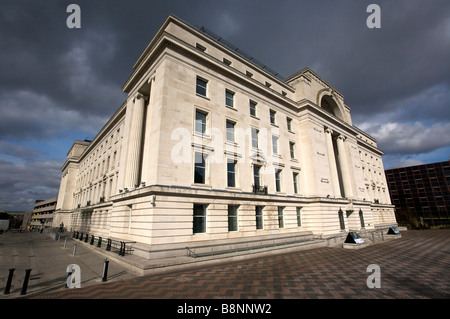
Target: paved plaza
<point x="412" y="267"/>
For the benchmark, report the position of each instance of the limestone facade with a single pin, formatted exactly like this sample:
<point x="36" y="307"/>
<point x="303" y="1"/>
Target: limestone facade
<point x="212" y="145"/>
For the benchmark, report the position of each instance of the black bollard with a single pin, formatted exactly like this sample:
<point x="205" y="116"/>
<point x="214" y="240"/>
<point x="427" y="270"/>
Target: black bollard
<point x="99" y="243"/>
<point x="25" y="282"/>
<point x="105" y="270"/>
<point x="8" y="283"/>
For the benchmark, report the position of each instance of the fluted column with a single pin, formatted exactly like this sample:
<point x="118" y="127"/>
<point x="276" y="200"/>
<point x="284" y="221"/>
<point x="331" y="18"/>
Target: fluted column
<point x="344" y="165"/>
<point x="134" y="143"/>
<point x="332" y="163"/>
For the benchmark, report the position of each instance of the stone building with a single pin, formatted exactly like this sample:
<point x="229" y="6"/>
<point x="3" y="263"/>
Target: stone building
<point x="213" y="145"/>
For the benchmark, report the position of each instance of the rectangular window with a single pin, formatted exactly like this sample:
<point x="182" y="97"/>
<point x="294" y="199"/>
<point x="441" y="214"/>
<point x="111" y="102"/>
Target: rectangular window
<point x="200" y="168"/>
<point x="229" y="98"/>
<point x="231" y="173"/>
<point x="200" y="47"/>
<point x="272" y="117"/>
<point x="299" y="217"/>
<point x="227" y="62"/>
<point x="289" y="124"/>
<point x="256" y="175"/>
<point x="278" y="180"/>
<point x="230" y="131"/>
<point x="280" y="217"/>
<point x="252" y="108"/>
<point x="295" y="180"/>
<point x="259" y="217"/>
<point x="274" y="145"/>
<point x="200" y="122"/>
<point x="292" y="149"/>
<point x="255" y="137"/>
<point x="201" y="86"/>
<point x="233" y="217"/>
<point x="199" y="222"/>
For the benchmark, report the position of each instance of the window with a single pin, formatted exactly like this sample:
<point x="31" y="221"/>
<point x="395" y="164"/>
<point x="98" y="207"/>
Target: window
<point x="199" y="222"/>
<point x="341" y="220"/>
<point x="272" y="117"/>
<point x="200" y="122"/>
<point x="227" y="62"/>
<point x="231" y="173"/>
<point x="256" y="175"/>
<point x="233" y="217"/>
<point x="289" y="124"/>
<point x="200" y="47"/>
<point x="274" y="145"/>
<point x="230" y="131"/>
<point x="252" y="108"/>
<point x="299" y="217"/>
<point x="295" y="180"/>
<point x="278" y="180"/>
<point x="200" y="168"/>
<point x="292" y="149"/>
<point x="201" y="86"/>
<point x="249" y="74"/>
<point x="280" y="217"/>
<point x="259" y="217"/>
<point x="255" y="133"/>
<point x="229" y="98"/>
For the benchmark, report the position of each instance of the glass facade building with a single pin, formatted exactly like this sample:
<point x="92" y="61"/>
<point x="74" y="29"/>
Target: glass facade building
<point x="421" y="193"/>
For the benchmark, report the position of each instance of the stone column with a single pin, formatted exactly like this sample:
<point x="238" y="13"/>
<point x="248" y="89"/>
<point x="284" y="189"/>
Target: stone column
<point x="332" y="163"/>
<point x="344" y="165"/>
<point x="134" y="143"/>
<point x="148" y="147"/>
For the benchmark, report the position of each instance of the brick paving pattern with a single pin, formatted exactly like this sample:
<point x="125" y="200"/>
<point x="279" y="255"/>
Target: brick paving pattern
<point x="415" y="266"/>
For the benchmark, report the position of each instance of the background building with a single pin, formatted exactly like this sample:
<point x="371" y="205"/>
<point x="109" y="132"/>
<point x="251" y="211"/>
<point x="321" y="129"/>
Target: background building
<point x="42" y="215"/>
<point x="421" y="193"/>
<point x="213" y="145"/>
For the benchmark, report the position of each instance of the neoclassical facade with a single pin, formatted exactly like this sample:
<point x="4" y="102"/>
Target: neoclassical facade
<point x="212" y="145"/>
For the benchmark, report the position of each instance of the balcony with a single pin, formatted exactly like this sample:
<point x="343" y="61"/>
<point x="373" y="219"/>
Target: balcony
<point x="259" y="190"/>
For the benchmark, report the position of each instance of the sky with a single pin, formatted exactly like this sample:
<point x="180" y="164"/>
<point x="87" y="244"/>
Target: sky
<point x="60" y="84"/>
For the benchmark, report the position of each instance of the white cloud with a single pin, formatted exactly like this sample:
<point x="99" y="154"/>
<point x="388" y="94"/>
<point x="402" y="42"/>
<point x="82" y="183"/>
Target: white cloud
<point x="409" y="138"/>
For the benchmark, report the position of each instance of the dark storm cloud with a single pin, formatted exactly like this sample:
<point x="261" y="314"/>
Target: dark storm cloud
<point x="54" y="79"/>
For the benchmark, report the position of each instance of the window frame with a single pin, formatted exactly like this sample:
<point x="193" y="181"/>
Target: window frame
<point x="253" y="106"/>
<point x="202" y="88"/>
<point x="229" y="93"/>
<point x="201" y="166"/>
<point x="233" y="216"/>
<point x="259" y="217"/>
<point x="278" y="180"/>
<point x="199" y="218"/>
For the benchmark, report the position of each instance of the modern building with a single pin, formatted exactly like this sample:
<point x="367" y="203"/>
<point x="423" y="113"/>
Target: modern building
<point x="421" y="193"/>
<point x="42" y="215"/>
<point x="213" y="145"/>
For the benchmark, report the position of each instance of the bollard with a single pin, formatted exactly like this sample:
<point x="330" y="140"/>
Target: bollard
<point x="92" y="240"/>
<point x="105" y="270"/>
<point x="99" y="243"/>
<point x="25" y="282"/>
<point x="74" y="249"/>
<point x="8" y="283"/>
<point x="65" y="242"/>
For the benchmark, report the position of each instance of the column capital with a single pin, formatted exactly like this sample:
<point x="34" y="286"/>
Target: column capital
<point x="328" y="130"/>
<point x="341" y="137"/>
<point x="138" y="96"/>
